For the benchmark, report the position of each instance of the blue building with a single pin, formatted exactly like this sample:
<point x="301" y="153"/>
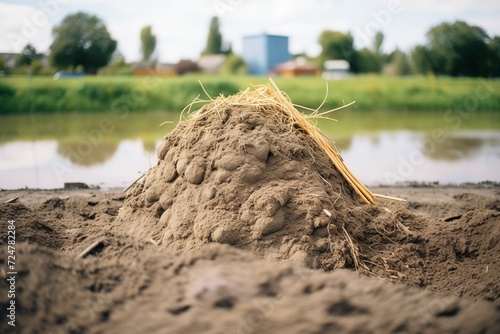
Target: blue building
<point x="263" y="52"/>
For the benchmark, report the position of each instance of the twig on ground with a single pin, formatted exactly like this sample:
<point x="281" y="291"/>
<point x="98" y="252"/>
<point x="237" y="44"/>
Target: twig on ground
<point x="90" y="248"/>
<point x="12" y="200"/>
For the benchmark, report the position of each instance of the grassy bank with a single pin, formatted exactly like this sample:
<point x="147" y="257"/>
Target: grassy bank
<point x="43" y="94"/>
<point x="151" y="126"/>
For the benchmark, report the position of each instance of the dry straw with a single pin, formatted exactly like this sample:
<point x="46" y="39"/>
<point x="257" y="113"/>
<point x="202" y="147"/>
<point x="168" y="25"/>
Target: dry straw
<point x="269" y="98"/>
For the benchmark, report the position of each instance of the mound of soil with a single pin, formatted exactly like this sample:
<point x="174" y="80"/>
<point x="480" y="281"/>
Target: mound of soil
<point x="249" y="177"/>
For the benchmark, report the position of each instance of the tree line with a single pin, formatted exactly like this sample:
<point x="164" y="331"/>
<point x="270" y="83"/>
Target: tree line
<point x="83" y="42"/>
<point x="452" y="49"/>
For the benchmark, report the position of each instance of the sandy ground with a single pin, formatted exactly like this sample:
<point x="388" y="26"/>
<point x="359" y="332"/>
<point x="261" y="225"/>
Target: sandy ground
<point x="124" y="285"/>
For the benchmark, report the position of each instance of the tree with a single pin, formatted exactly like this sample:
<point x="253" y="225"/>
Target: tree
<point x="399" y="64"/>
<point x="228" y="50"/>
<point x="4" y="70"/>
<point x="117" y="65"/>
<point x="495" y="61"/>
<point x="81" y="40"/>
<point x="214" y="39"/>
<point x="27" y="56"/>
<point x="459" y="49"/>
<point x="368" y="61"/>
<point x="420" y="60"/>
<point x="377" y="43"/>
<point x="337" y="45"/>
<point x="148" y="43"/>
<point x="495" y="45"/>
<point x="234" y="65"/>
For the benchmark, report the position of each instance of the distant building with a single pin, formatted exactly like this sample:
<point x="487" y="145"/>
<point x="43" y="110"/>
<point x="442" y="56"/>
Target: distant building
<point x="336" y="69"/>
<point x="263" y="52"/>
<point x="143" y="67"/>
<point x="211" y="63"/>
<point x="186" y="66"/>
<point x="9" y="59"/>
<point x="296" y="67"/>
<point x="153" y="68"/>
<point x="166" y="69"/>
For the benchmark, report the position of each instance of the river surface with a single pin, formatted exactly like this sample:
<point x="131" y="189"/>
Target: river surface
<point x="111" y="150"/>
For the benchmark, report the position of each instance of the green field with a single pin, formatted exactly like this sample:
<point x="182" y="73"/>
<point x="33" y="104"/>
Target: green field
<point x="123" y="93"/>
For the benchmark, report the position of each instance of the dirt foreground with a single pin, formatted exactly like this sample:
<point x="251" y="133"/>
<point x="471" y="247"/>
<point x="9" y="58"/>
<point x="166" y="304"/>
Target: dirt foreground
<point x="124" y="285"/>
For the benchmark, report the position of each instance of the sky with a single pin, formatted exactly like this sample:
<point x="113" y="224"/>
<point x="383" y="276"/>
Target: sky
<point x="181" y="26"/>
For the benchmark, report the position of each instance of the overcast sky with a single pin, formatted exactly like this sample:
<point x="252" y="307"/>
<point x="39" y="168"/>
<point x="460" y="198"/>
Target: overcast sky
<point x="181" y="26"/>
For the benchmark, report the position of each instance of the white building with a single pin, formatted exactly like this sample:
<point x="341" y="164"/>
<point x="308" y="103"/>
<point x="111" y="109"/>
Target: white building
<point x="336" y="69"/>
<point x="211" y="63"/>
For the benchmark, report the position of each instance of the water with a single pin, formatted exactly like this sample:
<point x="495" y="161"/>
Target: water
<point x="110" y="150"/>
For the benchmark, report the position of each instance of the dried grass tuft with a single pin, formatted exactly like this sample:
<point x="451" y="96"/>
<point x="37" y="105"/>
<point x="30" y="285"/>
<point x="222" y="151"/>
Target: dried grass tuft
<point x="269" y="99"/>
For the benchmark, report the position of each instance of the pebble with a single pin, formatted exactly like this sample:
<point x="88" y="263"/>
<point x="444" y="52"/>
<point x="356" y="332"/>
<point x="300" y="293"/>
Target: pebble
<point x="195" y="171"/>
<point x="268" y="225"/>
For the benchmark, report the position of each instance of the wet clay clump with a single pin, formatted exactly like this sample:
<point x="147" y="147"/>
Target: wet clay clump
<point x="243" y="171"/>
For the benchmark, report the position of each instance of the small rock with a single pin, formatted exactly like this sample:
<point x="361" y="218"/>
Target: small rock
<point x="251" y="173"/>
<point x="170" y="172"/>
<point x="195" y="171"/>
<point x="225" y="235"/>
<point x="259" y="149"/>
<point x="222" y="176"/>
<point x="163" y="149"/>
<point x="268" y="225"/>
<point x="230" y="162"/>
<point x="209" y="193"/>
<point x="153" y="194"/>
<point x="182" y="163"/>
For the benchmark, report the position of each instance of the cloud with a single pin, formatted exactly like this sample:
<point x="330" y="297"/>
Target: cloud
<point x="13" y="18"/>
<point x="29" y="22"/>
<point x="181" y="27"/>
<point x="451" y="7"/>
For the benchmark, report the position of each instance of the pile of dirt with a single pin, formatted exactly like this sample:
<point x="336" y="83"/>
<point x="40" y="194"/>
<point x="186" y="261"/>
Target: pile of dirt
<point x="246" y="174"/>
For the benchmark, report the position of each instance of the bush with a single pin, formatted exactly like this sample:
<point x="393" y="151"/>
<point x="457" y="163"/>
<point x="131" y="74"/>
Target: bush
<point x="190" y="90"/>
<point x="6" y="91"/>
<point x="234" y="65"/>
<point x="7" y="94"/>
<point x="103" y="92"/>
<point x="49" y="91"/>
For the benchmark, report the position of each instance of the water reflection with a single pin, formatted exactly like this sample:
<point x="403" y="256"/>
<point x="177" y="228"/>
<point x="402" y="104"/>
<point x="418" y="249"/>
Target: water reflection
<point x="85" y="153"/>
<point x="94" y="127"/>
<point x="404" y="156"/>
<point x="31" y="146"/>
<point x="457" y="147"/>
